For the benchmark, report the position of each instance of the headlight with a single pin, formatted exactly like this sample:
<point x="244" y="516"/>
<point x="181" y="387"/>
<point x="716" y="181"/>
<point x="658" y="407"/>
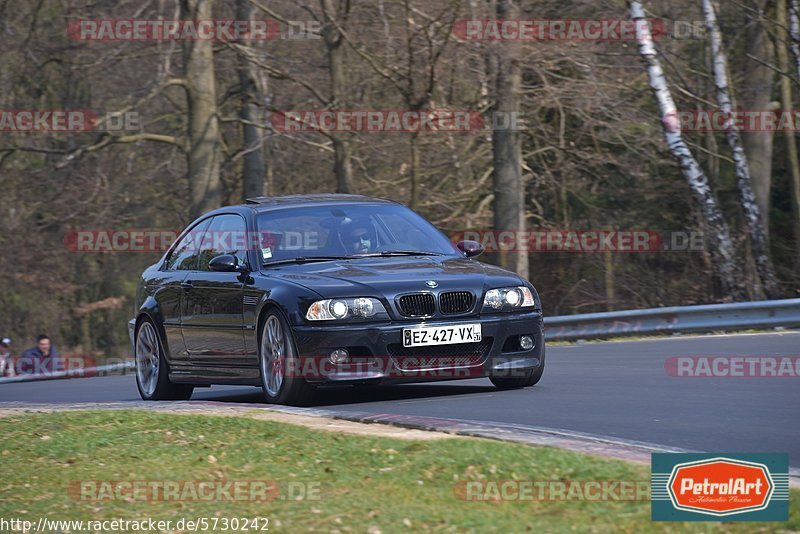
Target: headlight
<point x="337" y="309"/>
<point x="508" y="298"/>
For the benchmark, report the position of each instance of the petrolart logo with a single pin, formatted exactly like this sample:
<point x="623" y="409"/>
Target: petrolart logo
<point x="717" y="487"/>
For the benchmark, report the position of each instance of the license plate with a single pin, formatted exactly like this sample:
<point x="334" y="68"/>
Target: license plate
<point x="441" y="335"/>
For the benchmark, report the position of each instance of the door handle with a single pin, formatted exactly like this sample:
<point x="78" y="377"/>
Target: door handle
<point x="187" y="285"/>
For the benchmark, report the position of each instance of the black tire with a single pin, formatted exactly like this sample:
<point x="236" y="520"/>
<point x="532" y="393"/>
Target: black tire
<point x="276" y="344"/>
<point x="152" y="371"/>
<point x="530" y="379"/>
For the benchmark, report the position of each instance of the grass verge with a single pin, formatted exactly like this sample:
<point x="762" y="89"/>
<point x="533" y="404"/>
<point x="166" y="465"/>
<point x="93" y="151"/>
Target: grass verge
<point x="347" y="483"/>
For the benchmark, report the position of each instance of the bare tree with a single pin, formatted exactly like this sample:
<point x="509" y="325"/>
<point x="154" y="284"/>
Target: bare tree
<point x="758" y="78"/>
<point x="722" y="251"/>
<point x="509" y="189"/>
<point x="416" y="79"/>
<point x="747" y="198"/>
<point x="334" y="18"/>
<point x="203" y="128"/>
<point x="252" y="100"/>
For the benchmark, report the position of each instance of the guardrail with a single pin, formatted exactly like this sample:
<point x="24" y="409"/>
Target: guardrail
<point x="675" y="319"/>
<point x="680" y="319"/>
<point x="81" y="372"/>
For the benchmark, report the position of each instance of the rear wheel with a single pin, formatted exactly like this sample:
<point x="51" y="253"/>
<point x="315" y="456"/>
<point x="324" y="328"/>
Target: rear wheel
<point x="277" y="354"/>
<point x="152" y="373"/>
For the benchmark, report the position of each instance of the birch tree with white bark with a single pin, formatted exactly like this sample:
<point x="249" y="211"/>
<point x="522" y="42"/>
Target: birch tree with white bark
<point x="721" y="247"/>
<point x="794" y="30"/>
<point x="744" y="182"/>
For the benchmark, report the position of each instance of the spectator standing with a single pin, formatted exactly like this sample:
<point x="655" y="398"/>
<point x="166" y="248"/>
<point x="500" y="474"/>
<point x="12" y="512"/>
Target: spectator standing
<point x="6" y="359"/>
<point x="43" y="356"/>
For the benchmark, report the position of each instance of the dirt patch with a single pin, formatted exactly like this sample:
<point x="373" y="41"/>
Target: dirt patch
<point x="261" y="414"/>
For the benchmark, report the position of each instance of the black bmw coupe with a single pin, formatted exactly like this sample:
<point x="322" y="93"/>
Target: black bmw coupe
<point x="290" y="293"/>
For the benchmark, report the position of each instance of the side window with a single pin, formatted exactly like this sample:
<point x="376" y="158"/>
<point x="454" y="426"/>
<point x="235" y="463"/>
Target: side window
<point x="184" y="256"/>
<point x="227" y="234"/>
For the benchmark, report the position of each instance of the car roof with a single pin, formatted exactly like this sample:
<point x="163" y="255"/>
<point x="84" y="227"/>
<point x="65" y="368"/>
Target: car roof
<point x="311" y="200"/>
<point x="263" y="204"/>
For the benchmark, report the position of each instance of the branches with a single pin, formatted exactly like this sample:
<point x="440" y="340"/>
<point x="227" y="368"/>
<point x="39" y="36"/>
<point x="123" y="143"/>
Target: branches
<point x="109" y="140"/>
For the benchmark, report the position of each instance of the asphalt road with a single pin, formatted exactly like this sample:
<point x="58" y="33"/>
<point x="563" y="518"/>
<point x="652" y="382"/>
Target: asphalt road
<point x="613" y="389"/>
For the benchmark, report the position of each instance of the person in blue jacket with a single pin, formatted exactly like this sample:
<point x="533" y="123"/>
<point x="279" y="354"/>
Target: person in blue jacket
<point x="42" y="358"/>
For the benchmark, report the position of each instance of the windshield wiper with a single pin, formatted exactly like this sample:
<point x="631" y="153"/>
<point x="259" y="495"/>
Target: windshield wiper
<point x="303" y="259"/>
<point x="396" y="253"/>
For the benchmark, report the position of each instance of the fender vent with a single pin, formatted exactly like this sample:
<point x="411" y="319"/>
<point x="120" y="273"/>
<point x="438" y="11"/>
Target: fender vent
<point x="251" y="300"/>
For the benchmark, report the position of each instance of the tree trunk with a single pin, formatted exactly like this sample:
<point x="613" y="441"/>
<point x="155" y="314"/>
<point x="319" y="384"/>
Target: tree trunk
<point x="756" y="94"/>
<point x="203" y="134"/>
<point x="413" y="146"/>
<point x="342" y="166"/>
<point x="253" y="169"/>
<point x="721" y="247"/>
<point x="509" y="190"/>
<point x="786" y="104"/>
<point x="752" y="215"/>
<point x="608" y="275"/>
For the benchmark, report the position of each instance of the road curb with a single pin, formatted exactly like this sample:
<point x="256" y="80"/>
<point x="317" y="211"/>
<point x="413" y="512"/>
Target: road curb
<point x="603" y="446"/>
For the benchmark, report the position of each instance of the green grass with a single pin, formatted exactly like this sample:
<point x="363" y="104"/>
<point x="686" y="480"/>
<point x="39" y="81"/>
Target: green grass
<point x="363" y="481"/>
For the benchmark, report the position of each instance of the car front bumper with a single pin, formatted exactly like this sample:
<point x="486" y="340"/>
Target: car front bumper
<point x="131" y="332"/>
<point x="377" y="354"/>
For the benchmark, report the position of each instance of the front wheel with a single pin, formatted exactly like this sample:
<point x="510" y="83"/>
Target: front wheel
<point x="277" y="354"/>
<point x="151" y="368"/>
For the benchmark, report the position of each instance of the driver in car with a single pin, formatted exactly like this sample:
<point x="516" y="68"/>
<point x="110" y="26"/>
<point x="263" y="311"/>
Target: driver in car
<point x="359" y="237"/>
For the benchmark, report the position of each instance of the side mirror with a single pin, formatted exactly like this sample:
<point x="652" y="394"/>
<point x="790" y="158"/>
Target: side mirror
<point x="470" y="248"/>
<point x="226" y="263"/>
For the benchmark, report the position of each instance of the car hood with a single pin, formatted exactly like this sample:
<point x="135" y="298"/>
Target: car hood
<point x="389" y="276"/>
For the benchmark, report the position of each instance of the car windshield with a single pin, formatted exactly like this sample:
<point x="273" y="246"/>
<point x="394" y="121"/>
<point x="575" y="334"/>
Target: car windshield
<point x="347" y="231"/>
